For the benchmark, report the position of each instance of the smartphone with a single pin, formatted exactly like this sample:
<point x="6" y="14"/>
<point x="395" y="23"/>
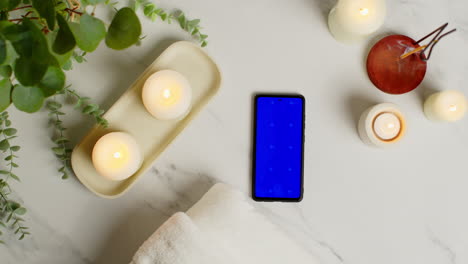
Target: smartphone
<point x="278" y="148"/>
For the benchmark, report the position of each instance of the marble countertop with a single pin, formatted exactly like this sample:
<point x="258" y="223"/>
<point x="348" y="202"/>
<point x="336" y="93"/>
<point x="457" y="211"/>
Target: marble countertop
<point x="405" y="204"/>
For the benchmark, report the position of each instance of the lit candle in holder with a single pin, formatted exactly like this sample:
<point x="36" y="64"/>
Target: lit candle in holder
<point x="167" y="95"/>
<point x="382" y="125"/>
<point x="116" y="156"/>
<point x="353" y="20"/>
<point x="447" y="106"/>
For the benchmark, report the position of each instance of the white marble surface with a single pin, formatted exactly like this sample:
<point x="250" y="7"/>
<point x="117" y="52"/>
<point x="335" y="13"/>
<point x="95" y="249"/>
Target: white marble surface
<point x="406" y="204"/>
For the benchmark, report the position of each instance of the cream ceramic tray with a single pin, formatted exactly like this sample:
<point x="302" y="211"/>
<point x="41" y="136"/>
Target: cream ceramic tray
<point x="129" y="115"/>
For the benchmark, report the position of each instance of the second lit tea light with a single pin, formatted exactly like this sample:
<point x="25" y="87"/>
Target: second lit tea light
<point x="448" y="106"/>
<point x="382" y="125"/>
<point x="116" y="156"/>
<point x="167" y="95"/>
<point x="353" y="20"/>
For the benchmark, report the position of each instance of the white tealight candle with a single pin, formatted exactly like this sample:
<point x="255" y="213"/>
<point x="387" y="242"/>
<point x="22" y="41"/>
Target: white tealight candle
<point x="116" y="156"/>
<point x="167" y="95"/>
<point x="353" y="20"/>
<point x="447" y="106"/>
<point x="387" y="126"/>
<point x="382" y="125"/>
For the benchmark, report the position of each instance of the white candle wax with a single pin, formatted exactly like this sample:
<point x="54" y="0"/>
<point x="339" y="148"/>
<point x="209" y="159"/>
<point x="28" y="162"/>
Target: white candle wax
<point x="167" y="95"/>
<point x="116" y="156"/>
<point x="353" y="20"/>
<point x="447" y="106"/>
<point x="382" y="125"/>
<point x="387" y="126"/>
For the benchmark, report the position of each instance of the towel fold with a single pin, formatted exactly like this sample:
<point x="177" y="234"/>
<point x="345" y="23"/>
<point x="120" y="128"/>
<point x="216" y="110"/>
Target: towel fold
<point x="222" y="228"/>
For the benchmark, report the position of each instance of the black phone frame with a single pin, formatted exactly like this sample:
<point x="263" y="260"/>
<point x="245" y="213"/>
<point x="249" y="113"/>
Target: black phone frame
<point x="254" y="127"/>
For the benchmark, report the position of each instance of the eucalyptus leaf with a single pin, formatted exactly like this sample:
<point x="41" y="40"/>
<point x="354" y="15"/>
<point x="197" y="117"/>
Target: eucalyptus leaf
<point x="40" y="52"/>
<point x="124" y="31"/>
<point x="62" y="59"/>
<point x="88" y="33"/>
<point x="5" y="94"/>
<point x="92" y="2"/>
<point x="4" y="145"/>
<point x="3" y="50"/>
<point x="53" y="81"/>
<point x="20" y="211"/>
<point x="28" y="71"/>
<point x="9" y="4"/>
<point x="10" y="131"/>
<point x="5" y="71"/>
<point x="46" y="9"/>
<point x="28" y="99"/>
<point x="65" y="41"/>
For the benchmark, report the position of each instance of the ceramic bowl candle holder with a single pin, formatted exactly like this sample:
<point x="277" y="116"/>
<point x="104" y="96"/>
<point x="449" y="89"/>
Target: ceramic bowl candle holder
<point x="382" y="125"/>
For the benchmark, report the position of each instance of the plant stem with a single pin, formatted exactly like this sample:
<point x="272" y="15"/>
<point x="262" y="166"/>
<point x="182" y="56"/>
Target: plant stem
<point x="21" y="7"/>
<point x="73" y="11"/>
<point x="21" y="19"/>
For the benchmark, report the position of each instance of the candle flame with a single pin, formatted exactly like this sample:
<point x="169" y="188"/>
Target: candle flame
<point x="117" y="155"/>
<point x="166" y="93"/>
<point x="453" y="108"/>
<point x="364" y="11"/>
<point x="391" y="125"/>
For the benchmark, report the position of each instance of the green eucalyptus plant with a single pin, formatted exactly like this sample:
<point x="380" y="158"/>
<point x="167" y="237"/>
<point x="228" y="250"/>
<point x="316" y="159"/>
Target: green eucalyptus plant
<point x="39" y="41"/>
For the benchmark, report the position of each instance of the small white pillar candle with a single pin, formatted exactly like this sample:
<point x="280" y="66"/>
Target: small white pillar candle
<point x="382" y="125"/>
<point x="353" y="20"/>
<point x="449" y="106"/>
<point x="167" y="95"/>
<point x="116" y="156"/>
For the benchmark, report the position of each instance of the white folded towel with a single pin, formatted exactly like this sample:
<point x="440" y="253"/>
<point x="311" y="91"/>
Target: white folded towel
<point x="222" y="228"/>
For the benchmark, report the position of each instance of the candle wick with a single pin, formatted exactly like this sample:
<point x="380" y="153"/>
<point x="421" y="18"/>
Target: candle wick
<point x="364" y="11"/>
<point x="453" y="108"/>
<point x="166" y="93"/>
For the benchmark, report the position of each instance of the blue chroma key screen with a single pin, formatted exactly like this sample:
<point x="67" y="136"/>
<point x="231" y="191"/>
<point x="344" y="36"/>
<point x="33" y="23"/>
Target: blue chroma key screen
<point x="278" y="147"/>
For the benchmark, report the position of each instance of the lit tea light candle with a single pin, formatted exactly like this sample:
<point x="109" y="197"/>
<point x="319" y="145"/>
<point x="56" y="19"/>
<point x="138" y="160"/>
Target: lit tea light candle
<point x="116" y="156"/>
<point x="382" y="125"/>
<point x="167" y="95"/>
<point x="449" y="106"/>
<point x="352" y="20"/>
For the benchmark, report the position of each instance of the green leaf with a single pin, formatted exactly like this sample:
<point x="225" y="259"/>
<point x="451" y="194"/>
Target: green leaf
<point x="65" y="41"/>
<point x="15" y="148"/>
<point x="20" y="36"/>
<point x="5" y="94"/>
<point x="20" y="211"/>
<point x="14" y="177"/>
<point x="61" y="58"/>
<point x="40" y="49"/>
<point x="58" y="150"/>
<point x="4" y="145"/>
<point x="9" y="4"/>
<point x="46" y="9"/>
<point x="124" y="31"/>
<point x="88" y="33"/>
<point x="92" y="2"/>
<point x="10" y="131"/>
<point x="53" y="81"/>
<point x="5" y="71"/>
<point x="29" y="71"/>
<point x="3" y="50"/>
<point x="27" y="99"/>
<point x="4" y="172"/>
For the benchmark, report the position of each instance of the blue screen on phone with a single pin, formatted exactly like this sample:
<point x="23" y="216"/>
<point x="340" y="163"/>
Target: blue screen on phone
<point x="278" y="147"/>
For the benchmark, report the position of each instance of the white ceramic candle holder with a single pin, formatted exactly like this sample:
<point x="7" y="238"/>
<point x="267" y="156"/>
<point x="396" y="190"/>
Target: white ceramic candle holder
<point x="372" y="135"/>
